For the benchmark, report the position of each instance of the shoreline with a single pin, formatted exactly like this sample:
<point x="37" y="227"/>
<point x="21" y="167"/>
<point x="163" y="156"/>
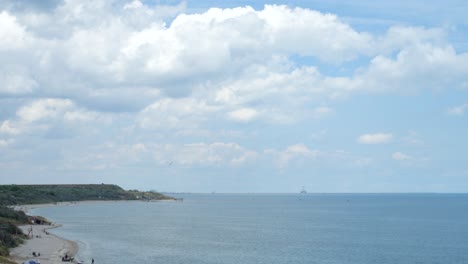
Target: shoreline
<point x="50" y="246"/>
<point x="28" y="207"/>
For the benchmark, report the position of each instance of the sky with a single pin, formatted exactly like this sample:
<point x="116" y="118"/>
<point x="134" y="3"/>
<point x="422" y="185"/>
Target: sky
<point x="236" y="96"/>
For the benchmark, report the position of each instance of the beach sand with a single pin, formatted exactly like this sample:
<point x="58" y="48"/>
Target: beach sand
<point x="51" y="247"/>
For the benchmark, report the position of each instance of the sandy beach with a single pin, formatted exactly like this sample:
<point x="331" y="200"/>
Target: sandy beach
<point x="50" y="247"/>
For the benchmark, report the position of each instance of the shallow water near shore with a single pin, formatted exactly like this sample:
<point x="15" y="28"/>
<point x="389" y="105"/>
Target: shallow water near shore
<point x="271" y="228"/>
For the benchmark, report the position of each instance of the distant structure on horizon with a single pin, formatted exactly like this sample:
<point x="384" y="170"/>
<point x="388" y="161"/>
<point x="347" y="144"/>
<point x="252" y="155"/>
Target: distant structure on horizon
<point x="303" y="191"/>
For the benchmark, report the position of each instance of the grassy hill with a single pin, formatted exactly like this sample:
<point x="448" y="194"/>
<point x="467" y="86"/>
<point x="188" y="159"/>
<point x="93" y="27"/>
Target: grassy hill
<point x="35" y="194"/>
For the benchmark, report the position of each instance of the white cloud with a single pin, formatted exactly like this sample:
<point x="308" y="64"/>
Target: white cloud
<point x="232" y="40"/>
<point x="280" y="97"/>
<point x="133" y="5"/>
<point x="299" y="149"/>
<point x="216" y="153"/>
<point x="169" y="78"/>
<point x="404" y="36"/>
<point x="293" y="86"/>
<point x="458" y="110"/>
<point x="243" y="114"/>
<point x="44" y="108"/>
<point x="401" y="156"/>
<point x="233" y="56"/>
<point x="12" y="34"/>
<point x="377" y="138"/>
<point x="165" y="155"/>
<point x="311" y="33"/>
<point x="299" y="152"/>
<point x="8" y="127"/>
<point x="40" y="115"/>
<point x="175" y="113"/>
<point x="415" y="68"/>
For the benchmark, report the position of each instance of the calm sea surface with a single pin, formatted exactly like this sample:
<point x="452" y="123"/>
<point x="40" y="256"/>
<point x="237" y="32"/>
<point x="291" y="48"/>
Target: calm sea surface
<point x="273" y="229"/>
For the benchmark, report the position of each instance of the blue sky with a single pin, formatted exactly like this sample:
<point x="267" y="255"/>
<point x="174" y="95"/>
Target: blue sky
<point x="236" y="96"/>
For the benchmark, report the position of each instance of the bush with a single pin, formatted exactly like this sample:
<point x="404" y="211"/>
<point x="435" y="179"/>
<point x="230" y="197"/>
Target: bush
<point x="9" y="233"/>
<point x="17" y="216"/>
<point x="4" y="251"/>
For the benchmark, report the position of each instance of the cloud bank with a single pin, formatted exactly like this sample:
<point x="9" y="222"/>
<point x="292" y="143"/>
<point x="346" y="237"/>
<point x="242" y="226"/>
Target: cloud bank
<point x="198" y="88"/>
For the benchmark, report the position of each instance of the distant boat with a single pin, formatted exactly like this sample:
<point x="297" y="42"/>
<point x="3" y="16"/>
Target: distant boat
<point x="303" y="191"/>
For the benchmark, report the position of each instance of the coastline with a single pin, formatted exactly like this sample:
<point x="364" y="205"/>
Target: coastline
<point x="28" y="207"/>
<point x="51" y="247"/>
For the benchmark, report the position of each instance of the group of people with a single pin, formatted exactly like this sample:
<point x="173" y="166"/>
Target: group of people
<point x="69" y="258"/>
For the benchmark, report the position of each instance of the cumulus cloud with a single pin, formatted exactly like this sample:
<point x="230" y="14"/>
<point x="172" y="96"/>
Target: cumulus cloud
<point x="167" y="76"/>
<point x="175" y="113"/>
<point x="133" y="5"/>
<point x="291" y="153"/>
<point x="43" y="108"/>
<point x="416" y="67"/>
<point x="176" y="154"/>
<point x="43" y="114"/>
<point x="12" y="33"/>
<point x="124" y="56"/>
<point x="8" y="128"/>
<point x="377" y="138"/>
<point x="217" y="153"/>
<point x="243" y="114"/>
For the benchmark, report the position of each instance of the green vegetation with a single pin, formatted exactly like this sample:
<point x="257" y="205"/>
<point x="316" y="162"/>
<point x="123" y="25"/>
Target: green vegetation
<point x="35" y="194"/>
<point x="12" y="236"/>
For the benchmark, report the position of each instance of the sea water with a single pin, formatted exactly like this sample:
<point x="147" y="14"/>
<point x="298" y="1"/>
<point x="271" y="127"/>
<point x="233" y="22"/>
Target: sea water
<point x="273" y="229"/>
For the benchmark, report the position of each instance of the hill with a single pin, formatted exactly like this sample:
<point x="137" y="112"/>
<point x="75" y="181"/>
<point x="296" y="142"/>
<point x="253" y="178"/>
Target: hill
<point x="35" y="194"/>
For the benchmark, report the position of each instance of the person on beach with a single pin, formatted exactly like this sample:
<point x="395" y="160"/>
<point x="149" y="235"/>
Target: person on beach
<point x="92" y="261"/>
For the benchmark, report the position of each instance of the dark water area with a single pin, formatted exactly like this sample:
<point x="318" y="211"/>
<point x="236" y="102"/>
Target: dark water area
<point x="271" y="228"/>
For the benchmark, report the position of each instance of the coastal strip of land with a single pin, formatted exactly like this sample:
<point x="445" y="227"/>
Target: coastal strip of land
<point x="24" y="237"/>
<point x="43" y="246"/>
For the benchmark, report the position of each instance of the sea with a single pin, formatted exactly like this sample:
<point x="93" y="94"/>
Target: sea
<point x="270" y="229"/>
